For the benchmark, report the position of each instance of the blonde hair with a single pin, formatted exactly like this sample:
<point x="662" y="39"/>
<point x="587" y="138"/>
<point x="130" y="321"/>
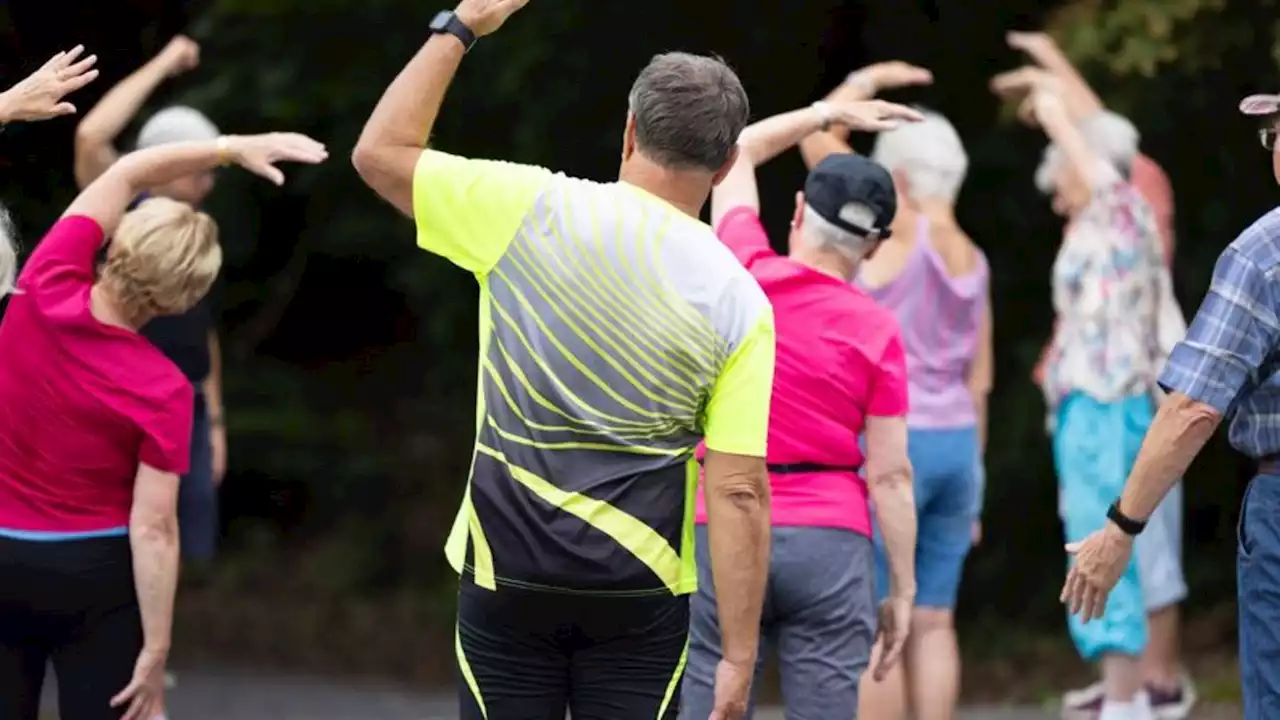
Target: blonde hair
<point x="8" y="253"/>
<point x="163" y="258"/>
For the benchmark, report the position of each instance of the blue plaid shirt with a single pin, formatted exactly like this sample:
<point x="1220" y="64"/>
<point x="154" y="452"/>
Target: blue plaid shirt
<point x="1230" y="355"/>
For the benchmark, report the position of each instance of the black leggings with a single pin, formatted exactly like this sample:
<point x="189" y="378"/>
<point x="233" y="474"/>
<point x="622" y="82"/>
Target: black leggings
<point x="72" y="602"/>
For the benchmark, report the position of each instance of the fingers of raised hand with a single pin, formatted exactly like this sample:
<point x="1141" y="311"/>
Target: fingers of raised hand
<point x="894" y="111"/>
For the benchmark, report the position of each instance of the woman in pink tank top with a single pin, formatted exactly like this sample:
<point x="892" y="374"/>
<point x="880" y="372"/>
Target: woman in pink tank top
<point x="936" y="282"/>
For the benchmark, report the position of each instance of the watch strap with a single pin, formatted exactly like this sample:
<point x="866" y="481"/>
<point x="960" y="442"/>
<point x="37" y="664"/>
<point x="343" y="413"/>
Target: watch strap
<point x="1127" y="525"/>
<point x="448" y="22"/>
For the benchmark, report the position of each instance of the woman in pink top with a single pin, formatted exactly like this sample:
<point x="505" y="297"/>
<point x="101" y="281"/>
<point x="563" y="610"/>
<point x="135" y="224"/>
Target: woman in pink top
<point x="95" y="425"/>
<point x="839" y="373"/>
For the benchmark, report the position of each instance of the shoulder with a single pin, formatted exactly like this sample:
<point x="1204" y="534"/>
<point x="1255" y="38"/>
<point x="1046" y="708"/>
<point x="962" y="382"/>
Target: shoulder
<point x="870" y="325"/>
<point x="1258" y="245"/>
<point x="706" y="274"/>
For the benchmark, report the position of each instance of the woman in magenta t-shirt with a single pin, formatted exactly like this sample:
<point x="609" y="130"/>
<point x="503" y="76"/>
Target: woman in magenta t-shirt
<point x="95" y="425"/>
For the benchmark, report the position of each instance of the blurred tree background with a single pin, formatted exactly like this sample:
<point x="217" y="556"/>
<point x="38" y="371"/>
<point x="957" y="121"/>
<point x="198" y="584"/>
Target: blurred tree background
<point x="351" y="355"/>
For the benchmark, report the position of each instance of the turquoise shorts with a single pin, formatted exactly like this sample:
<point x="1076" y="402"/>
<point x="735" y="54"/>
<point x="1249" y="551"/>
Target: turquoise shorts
<point x="1094" y="447"/>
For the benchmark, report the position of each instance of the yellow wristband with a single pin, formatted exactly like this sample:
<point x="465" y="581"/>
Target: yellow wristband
<point x="223" y="156"/>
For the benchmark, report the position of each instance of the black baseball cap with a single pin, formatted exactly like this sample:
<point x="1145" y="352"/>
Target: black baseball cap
<point x="844" y="178"/>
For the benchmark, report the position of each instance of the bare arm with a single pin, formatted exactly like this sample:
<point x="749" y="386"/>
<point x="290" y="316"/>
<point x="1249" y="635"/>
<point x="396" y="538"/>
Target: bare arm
<point x="153" y="537"/>
<point x="1080" y="99"/>
<point x="1180" y="430"/>
<point x="213" y="383"/>
<point x="1052" y="115"/>
<point x="758" y="144"/>
<point x="889" y="483"/>
<point x="982" y="372"/>
<point x="397" y="131"/>
<point x="97" y="132"/>
<point x="737" y="493"/>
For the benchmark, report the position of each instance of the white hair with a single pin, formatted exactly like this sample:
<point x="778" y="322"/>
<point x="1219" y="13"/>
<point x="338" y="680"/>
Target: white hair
<point x="1108" y="134"/>
<point x="820" y="234"/>
<point x="8" y="253"/>
<point x="176" y="123"/>
<point x="929" y="153"/>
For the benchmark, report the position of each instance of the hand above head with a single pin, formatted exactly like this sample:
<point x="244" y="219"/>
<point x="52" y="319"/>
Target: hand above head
<point x="260" y="153"/>
<point x="1036" y="44"/>
<point x="181" y="55"/>
<point x="485" y="16"/>
<point x="39" y="95"/>
<point x="887" y="75"/>
<point x="1016" y="83"/>
<point x="872" y="115"/>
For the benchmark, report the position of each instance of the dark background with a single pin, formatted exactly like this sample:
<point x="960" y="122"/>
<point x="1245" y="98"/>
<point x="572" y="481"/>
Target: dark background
<point x="350" y="355"/>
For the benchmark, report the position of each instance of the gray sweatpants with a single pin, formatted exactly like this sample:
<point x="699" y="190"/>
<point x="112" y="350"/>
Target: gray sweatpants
<point x="819" y="615"/>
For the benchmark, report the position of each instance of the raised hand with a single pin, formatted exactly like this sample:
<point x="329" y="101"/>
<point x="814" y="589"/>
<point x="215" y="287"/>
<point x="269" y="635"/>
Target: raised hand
<point x="485" y="16"/>
<point x="181" y="55"/>
<point x="1015" y="83"/>
<point x="873" y="115"/>
<point x="1036" y="44"/>
<point x="259" y="153"/>
<point x="39" y="95"/>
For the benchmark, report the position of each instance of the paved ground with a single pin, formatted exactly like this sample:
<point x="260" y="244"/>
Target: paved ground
<point x="241" y="696"/>
<point x="235" y="696"/>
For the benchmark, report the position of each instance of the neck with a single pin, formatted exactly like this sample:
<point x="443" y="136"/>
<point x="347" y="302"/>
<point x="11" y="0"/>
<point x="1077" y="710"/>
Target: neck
<point x="939" y="211"/>
<point x="827" y="262"/>
<point x="687" y="190"/>
<point x="109" y="311"/>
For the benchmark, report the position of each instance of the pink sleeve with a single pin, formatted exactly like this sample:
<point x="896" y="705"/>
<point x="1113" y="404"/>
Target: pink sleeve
<point x="64" y="256"/>
<point x="166" y="441"/>
<point x="888" y="396"/>
<point x="741" y="231"/>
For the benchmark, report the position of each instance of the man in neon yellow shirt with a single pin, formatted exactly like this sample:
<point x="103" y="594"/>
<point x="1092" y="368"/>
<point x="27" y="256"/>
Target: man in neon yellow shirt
<point x="616" y="332"/>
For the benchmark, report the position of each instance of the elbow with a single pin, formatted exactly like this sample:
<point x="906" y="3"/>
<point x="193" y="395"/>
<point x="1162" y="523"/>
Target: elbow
<point x="746" y="493"/>
<point x="154" y="527"/>
<point x="890" y="479"/>
<point x="364" y="158"/>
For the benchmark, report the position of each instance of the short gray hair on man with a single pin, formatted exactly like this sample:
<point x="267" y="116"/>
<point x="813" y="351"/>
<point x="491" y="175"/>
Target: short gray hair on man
<point x="176" y="123"/>
<point x="821" y="234"/>
<point x="1110" y="135"/>
<point x="929" y="153"/>
<point x="8" y="253"/>
<point x="689" y="111"/>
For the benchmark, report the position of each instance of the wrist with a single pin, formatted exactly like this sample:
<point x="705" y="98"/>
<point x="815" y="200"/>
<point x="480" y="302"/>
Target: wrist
<point x="228" y="147"/>
<point x="823" y="115"/>
<point x="158" y="649"/>
<point x="864" y="82"/>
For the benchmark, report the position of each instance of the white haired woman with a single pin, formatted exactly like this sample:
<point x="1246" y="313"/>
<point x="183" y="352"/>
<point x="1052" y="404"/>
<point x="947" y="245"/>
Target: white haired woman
<point x="935" y="280"/>
<point x="1109" y="283"/>
<point x="95" y="426"/>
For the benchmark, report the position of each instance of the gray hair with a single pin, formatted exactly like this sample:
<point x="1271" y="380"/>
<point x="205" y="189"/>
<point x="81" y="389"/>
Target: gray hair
<point x="8" y="253"/>
<point x="929" y="153"/>
<point x="176" y="123"/>
<point x="689" y="111"/>
<point x="820" y="234"/>
<point x="1110" y="135"/>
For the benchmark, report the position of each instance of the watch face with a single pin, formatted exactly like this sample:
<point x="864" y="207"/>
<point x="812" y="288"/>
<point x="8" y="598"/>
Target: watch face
<point x="440" y="21"/>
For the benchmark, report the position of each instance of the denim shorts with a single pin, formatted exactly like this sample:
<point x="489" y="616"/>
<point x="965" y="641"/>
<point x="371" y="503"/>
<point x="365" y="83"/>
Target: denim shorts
<point x="945" y="480"/>
<point x="1258" y="585"/>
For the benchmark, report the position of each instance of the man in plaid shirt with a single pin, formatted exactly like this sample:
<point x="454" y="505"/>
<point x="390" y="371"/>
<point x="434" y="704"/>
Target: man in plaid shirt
<point x="1225" y="366"/>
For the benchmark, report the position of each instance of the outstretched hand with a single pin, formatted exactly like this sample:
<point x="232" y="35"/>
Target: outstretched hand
<point x="873" y="115"/>
<point x="485" y="16"/>
<point x="1036" y="44"/>
<point x="259" y="153"/>
<point x="40" y="95"/>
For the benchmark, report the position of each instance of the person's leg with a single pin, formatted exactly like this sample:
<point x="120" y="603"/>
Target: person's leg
<point x="198" y="499"/>
<point x="1258" y="571"/>
<point x="825" y="610"/>
<point x="697" y="694"/>
<point x="100" y="633"/>
<point x="628" y="658"/>
<point x="889" y="698"/>
<point x="944" y="541"/>
<point x="1159" y="553"/>
<point x="512" y="659"/>
<point x="23" y="647"/>
<point x="1094" y="446"/>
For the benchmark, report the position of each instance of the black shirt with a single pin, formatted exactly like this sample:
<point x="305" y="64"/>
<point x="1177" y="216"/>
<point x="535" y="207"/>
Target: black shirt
<point x="184" y="338"/>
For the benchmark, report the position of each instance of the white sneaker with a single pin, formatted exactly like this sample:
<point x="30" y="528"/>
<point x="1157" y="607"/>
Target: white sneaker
<point x="1137" y="709"/>
<point x="1083" y="704"/>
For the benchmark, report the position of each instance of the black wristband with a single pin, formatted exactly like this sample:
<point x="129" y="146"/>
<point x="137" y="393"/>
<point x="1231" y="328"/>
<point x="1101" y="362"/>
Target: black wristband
<point x="1127" y="525"/>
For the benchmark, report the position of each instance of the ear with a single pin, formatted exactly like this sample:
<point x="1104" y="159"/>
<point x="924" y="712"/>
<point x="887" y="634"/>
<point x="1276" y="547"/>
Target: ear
<point x="726" y="167"/>
<point x="629" y="137"/>
<point x="797" y="218"/>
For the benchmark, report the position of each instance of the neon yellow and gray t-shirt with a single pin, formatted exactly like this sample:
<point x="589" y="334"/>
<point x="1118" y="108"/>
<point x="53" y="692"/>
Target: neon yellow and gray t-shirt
<point x="615" y="333"/>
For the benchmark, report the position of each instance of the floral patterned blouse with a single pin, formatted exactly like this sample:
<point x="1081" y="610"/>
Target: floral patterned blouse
<point x="1109" y="280"/>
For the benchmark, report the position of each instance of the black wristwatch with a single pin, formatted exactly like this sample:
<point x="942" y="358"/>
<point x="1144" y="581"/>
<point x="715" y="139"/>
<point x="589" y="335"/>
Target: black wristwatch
<point x="447" y="21"/>
<point x="1127" y="525"/>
